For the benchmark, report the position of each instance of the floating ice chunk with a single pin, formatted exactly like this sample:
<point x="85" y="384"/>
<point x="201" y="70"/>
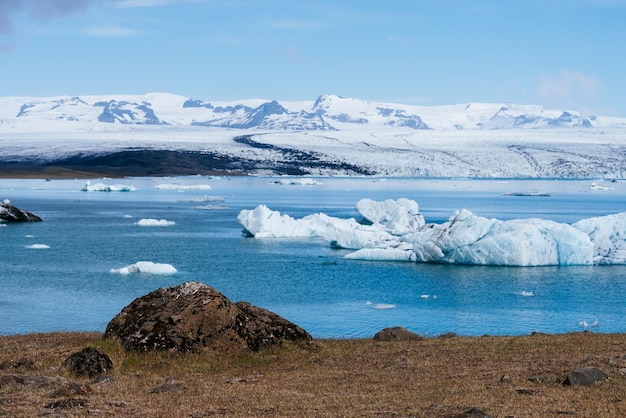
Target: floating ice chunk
<point x="398" y="233"/>
<point x="595" y="186"/>
<point x="470" y="239"/>
<point x="608" y="235"/>
<point x="298" y="182"/>
<point x="154" y="222"/>
<point x="398" y="216"/>
<point x="101" y="187"/>
<point x="174" y="186"/>
<point x="38" y="246"/>
<point x="381" y="306"/>
<point x="145" y="267"/>
<point x="527" y="294"/>
<point x="382" y="254"/>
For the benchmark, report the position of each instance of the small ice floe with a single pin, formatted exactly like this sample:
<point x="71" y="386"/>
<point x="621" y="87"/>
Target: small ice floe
<point x="182" y="187"/>
<point x="128" y="216"/>
<point x="297" y="182"/>
<point x="38" y="246"/>
<point x="595" y="186"/>
<point x="145" y="267"/>
<point x="380" y="305"/>
<point x="101" y="187"/>
<point x="426" y="296"/>
<point x="527" y="294"/>
<point x="155" y="222"/>
<point x="29" y="236"/>
<point x="585" y="325"/>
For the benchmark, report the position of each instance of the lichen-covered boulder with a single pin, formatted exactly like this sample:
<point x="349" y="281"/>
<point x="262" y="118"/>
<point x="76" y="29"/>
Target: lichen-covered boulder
<point x="89" y="362"/>
<point x="193" y="317"/>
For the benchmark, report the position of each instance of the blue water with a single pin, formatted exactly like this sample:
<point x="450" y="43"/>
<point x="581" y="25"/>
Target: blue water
<point x="69" y="287"/>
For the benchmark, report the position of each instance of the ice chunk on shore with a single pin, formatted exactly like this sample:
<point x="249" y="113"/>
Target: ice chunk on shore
<point x="398" y="233"/>
<point x="101" y="187"/>
<point x="145" y="267"/>
<point x="154" y="222"/>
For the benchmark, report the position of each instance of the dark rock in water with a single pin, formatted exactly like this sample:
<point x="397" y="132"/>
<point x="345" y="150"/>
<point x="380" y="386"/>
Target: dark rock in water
<point x="194" y="317"/>
<point x="89" y="362"/>
<point x="585" y="376"/>
<point x="10" y="213"/>
<point x="396" y="334"/>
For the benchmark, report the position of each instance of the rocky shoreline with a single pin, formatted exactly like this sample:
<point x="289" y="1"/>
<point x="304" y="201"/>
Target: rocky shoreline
<point x="187" y="351"/>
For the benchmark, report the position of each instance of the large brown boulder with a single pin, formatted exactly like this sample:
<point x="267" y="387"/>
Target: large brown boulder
<point x="194" y="317"/>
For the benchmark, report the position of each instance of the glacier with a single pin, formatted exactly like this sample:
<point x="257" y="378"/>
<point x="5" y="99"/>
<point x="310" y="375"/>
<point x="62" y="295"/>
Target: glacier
<point x="394" y="230"/>
<point x="168" y="134"/>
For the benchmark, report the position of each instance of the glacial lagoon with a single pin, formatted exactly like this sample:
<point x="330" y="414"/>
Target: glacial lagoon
<point x="67" y="272"/>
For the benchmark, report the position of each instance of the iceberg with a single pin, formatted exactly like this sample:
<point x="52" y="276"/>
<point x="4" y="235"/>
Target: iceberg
<point x="396" y="231"/>
<point x="101" y="187"/>
<point x="145" y="267"/>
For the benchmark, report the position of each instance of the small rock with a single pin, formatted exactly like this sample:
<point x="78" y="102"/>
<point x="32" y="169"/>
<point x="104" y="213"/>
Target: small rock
<point x="89" y="362"/>
<point x="506" y="379"/>
<point x="71" y="389"/>
<point x="170" y="385"/>
<point x="68" y="403"/>
<point x="27" y="379"/>
<point x="448" y="335"/>
<point x="472" y="413"/>
<point x="396" y="334"/>
<point x="585" y="376"/>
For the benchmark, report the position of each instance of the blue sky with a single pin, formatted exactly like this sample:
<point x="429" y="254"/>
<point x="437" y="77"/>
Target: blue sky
<point x="556" y="53"/>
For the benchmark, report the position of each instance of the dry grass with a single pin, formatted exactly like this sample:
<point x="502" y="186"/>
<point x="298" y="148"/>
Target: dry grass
<point x="332" y="378"/>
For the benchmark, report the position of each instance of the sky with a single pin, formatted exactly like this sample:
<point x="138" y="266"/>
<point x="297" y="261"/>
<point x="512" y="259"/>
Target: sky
<point x="561" y="54"/>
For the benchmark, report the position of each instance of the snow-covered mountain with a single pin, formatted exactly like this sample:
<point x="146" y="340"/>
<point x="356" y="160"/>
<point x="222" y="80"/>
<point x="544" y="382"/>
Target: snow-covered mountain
<point x="330" y="135"/>
<point x="327" y="113"/>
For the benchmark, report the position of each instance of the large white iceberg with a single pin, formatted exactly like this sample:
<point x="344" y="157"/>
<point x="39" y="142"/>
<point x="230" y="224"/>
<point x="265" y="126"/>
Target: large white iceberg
<point x="396" y="231"/>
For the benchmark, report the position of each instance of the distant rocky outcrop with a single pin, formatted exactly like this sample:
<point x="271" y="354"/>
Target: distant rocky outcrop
<point x="9" y="213"/>
<point x="193" y="317"/>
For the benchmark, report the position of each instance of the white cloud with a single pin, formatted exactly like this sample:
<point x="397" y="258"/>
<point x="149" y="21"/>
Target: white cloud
<point x="569" y="88"/>
<point x="110" y="31"/>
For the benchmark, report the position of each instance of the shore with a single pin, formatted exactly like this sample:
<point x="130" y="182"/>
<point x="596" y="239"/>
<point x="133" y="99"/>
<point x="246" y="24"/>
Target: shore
<point x="436" y="377"/>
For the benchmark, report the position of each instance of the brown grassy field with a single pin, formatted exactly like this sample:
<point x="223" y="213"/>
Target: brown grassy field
<point x="327" y="378"/>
